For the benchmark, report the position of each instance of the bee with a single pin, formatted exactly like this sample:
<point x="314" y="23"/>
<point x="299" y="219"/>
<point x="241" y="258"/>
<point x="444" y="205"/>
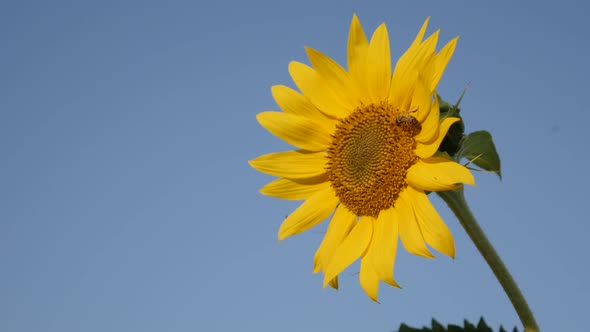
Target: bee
<point x="408" y="121"/>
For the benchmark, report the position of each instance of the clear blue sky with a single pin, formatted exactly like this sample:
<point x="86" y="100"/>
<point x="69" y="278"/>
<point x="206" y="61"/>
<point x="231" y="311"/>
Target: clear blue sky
<point x="126" y="200"/>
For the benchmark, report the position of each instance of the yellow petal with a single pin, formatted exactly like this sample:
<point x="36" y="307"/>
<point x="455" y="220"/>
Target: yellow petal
<point x="313" y="87"/>
<point x="409" y="67"/>
<point x="313" y="211"/>
<point x="426" y="150"/>
<point x="294" y="189"/>
<point x="379" y="65"/>
<point x="334" y="76"/>
<point x="420" y="36"/>
<point x="358" y="47"/>
<point x="340" y="226"/>
<point x="384" y="245"/>
<point x="402" y="89"/>
<point x="291" y="101"/>
<point x="403" y="63"/>
<point x="427" y="48"/>
<point x="438" y="174"/>
<point x="424" y="51"/>
<point x="434" y="230"/>
<point x="421" y="101"/>
<point x="350" y="249"/>
<point x="298" y="131"/>
<point x="430" y="124"/>
<point x="441" y="61"/>
<point x="409" y="230"/>
<point x="369" y="279"/>
<point x="334" y="282"/>
<point x="409" y="74"/>
<point x="427" y="69"/>
<point x="296" y="164"/>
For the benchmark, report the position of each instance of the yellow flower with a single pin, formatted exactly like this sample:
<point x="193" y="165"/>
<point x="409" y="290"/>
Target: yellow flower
<point x="367" y="142"/>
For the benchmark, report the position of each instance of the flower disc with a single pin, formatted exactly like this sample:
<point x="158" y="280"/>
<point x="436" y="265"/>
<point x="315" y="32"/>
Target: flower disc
<point x="369" y="156"/>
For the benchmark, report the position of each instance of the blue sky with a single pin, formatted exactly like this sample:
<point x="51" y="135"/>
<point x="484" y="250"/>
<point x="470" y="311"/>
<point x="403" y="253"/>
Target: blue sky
<point x="126" y="201"/>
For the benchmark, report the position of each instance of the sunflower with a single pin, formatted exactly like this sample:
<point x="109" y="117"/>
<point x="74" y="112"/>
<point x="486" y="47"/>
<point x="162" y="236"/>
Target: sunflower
<point x="367" y="142"/>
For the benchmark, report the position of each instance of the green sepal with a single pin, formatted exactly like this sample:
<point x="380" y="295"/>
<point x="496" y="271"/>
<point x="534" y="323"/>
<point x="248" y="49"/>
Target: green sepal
<point x="479" y="148"/>
<point x="467" y="327"/>
<point x="451" y="142"/>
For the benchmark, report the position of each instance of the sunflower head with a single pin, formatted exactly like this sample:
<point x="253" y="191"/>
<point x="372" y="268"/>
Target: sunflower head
<point x="367" y="141"/>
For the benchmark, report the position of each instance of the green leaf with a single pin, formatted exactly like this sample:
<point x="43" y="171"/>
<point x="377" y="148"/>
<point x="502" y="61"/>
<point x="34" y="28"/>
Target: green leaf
<point x="437" y="327"/>
<point x="479" y="148"/>
<point x="483" y="327"/>
<point x="406" y="328"/>
<point x="467" y="327"/>
<point x="455" y="328"/>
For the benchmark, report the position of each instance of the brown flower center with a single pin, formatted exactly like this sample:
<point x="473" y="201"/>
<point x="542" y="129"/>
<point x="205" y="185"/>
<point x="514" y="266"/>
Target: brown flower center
<point x="369" y="156"/>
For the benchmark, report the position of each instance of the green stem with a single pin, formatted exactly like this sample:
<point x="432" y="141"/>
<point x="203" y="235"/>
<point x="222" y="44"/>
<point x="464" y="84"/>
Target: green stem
<point x="456" y="201"/>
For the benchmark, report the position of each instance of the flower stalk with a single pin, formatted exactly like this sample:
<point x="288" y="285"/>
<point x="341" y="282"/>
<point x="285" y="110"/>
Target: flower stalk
<point x="456" y="201"/>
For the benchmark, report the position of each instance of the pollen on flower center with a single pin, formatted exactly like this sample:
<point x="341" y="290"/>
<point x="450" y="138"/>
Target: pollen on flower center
<point x="369" y="156"/>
